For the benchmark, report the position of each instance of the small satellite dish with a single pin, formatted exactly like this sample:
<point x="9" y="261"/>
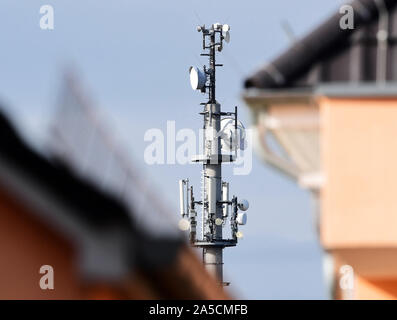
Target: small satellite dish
<point x="228" y="135"/>
<point x="218" y="221"/>
<point x="243" y="205"/>
<point x="184" y="224"/>
<point x="239" y="234"/>
<point x="198" y="78"/>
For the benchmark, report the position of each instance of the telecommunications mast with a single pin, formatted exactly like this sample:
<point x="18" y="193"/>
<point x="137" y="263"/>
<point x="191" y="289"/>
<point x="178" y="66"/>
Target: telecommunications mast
<point x="223" y="135"/>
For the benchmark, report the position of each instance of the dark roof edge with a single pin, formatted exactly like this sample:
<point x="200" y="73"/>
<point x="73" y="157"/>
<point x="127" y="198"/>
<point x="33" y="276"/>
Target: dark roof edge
<point x="305" y="52"/>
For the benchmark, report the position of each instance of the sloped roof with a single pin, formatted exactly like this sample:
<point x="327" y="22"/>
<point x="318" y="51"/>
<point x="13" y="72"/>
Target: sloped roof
<point x="81" y="138"/>
<point x="72" y="205"/>
<point x="110" y="244"/>
<point x="332" y="54"/>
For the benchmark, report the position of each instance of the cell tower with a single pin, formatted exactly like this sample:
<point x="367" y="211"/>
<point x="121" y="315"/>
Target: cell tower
<point x="223" y="135"/>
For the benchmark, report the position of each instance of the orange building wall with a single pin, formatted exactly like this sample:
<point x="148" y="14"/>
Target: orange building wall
<point x="359" y="160"/>
<point x="25" y="245"/>
<point x="357" y="140"/>
<point x="376" y="289"/>
<point x="359" y="197"/>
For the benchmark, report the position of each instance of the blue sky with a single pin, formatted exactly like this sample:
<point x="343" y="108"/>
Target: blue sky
<point x="133" y="57"/>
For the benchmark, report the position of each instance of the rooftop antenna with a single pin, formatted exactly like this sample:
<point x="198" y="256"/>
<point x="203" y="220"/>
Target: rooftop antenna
<point x="289" y="31"/>
<point x="223" y="136"/>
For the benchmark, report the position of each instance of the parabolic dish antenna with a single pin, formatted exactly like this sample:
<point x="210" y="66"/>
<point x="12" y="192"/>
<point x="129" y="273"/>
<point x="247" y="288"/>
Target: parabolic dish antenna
<point x="197" y="78"/>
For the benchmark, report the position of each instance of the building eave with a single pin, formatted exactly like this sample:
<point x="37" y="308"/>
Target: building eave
<point x="260" y="97"/>
<point x="254" y="96"/>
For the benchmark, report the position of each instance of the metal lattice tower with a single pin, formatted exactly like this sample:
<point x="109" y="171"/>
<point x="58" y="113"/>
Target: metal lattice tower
<point x="215" y="200"/>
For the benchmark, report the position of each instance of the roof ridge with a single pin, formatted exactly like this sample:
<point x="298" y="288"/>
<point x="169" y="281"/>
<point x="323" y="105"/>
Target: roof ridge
<point x="312" y="46"/>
